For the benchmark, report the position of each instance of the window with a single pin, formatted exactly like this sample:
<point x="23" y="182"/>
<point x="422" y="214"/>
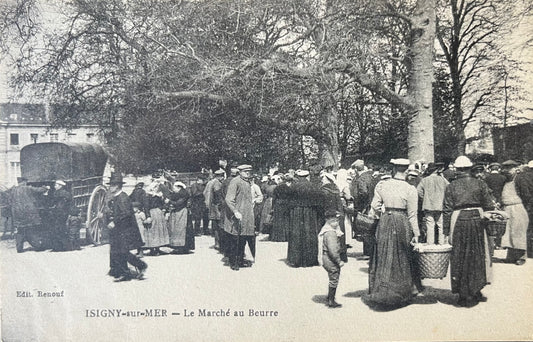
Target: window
<point x="34" y="137"/>
<point x="54" y="137"/>
<point x="14" y="138"/>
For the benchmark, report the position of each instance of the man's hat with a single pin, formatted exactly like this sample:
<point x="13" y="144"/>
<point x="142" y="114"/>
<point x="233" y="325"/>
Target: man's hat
<point x="21" y="179"/>
<point x="244" y="167"/>
<point x="358" y="163"/>
<point x="220" y="172"/>
<point x="400" y="161"/>
<point x="462" y="162"/>
<point x="139" y="185"/>
<point x="116" y="178"/>
<point x="510" y="163"/>
<point x="493" y="165"/>
<point x="302" y="173"/>
<point x="478" y="168"/>
<point x="530" y="164"/>
<point x="60" y="182"/>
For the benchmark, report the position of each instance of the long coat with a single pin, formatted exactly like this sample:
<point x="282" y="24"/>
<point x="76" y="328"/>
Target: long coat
<point x="280" y="220"/>
<point x="214" y="198"/>
<point x="24" y="208"/>
<point x="125" y="235"/>
<point x="306" y="209"/>
<point x="239" y="199"/>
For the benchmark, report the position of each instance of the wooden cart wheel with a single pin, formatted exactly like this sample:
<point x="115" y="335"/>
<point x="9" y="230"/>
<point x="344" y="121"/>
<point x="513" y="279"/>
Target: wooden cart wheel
<point x="96" y="220"/>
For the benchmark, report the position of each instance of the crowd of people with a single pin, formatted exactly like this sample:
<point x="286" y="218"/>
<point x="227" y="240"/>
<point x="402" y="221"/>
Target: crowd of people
<point x="318" y="211"/>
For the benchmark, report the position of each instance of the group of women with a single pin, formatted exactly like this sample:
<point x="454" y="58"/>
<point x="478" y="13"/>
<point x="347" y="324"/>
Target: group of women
<point x="167" y="220"/>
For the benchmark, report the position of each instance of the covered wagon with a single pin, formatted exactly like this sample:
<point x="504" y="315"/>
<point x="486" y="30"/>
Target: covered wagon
<point x="81" y="166"/>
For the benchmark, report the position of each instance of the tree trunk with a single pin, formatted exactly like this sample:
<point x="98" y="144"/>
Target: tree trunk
<point x="420" y="140"/>
<point x="329" y="147"/>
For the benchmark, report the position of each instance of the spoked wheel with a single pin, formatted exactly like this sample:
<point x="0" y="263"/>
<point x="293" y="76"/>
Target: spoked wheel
<point x="96" y="220"/>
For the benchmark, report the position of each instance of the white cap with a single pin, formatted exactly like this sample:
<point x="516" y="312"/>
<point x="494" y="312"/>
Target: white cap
<point x="462" y="161"/>
<point x="60" y="182"/>
<point x="530" y="164"/>
<point x="400" y="161"/>
<point x="180" y="184"/>
<point x="302" y="173"/>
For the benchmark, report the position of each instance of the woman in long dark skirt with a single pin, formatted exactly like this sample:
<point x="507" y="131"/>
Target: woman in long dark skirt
<point x="281" y="210"/>
<point x="391" y="271"/>
<point x="464" y="201"/>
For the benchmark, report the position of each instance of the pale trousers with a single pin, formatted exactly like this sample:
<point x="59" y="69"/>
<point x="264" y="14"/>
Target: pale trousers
<point x="433" y="223"/>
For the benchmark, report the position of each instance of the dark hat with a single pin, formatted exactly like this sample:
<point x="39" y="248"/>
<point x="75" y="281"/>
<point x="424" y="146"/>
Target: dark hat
<point x="331" y="213"/>
<point x="139" y="185"/>
<point x="21" y="179"/>
<point x="478" y="167"/>
<point x="493" y="165"/>
<point x="510" y="163"/>
<point x="116" y="178"/>
<point x="315" y="169"/>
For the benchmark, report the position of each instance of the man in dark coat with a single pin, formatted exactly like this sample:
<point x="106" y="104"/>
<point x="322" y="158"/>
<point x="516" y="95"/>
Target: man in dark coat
<point x="306" y="206"/>
<point x="224" y="236"/>
<point x="213" y="202"/>
<point x="26" y="218"/>
<point x="495" y="180"/>
<point x="362" y="193"/>
<point x="198" y="207"/>
<point x="124" y="234"/>
<point x="239" y="221"/>
<point x="61" y="204"/>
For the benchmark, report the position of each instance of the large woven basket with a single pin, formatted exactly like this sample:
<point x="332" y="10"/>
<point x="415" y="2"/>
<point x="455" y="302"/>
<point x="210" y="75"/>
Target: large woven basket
<point x="433" y="260"/>
<point x="496" y="228"/>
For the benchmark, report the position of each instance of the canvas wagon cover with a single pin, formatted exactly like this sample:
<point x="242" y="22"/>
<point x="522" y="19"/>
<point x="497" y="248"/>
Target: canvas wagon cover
<point x="68" y="161"/>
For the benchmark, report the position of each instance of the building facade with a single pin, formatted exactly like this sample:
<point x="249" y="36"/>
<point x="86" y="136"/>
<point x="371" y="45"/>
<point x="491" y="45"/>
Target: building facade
<point x="24" y="124"/>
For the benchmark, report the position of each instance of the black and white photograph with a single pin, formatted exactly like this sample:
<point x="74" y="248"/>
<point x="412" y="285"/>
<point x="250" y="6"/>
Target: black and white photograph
<point x="274" y="170"/>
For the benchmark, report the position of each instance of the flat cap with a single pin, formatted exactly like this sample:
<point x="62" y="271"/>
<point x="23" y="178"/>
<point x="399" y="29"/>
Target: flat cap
<point x="302" y="173"/>
<point x="244" y="167"/>
<point x="219" y="172"/>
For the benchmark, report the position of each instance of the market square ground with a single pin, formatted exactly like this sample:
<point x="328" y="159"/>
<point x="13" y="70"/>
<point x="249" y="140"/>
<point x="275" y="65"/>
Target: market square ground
<point x="195" y="298"/>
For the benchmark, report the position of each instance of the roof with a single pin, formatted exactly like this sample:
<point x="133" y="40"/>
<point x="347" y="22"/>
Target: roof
<point x="67" y="161"/>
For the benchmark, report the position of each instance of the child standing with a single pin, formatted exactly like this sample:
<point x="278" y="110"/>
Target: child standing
<point x="329" y="255"/>
<point x="140" y="217"/>
<point x="73" y="229"/>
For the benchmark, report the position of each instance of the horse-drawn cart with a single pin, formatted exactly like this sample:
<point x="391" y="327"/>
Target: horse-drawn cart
<point x="81" y="166"/>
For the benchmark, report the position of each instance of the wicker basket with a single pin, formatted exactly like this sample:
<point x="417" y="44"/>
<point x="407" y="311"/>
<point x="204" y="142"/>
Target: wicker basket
<point x="496" y="228"/>
<point x="365" y="224"/>
<point x="433" y="260"/>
